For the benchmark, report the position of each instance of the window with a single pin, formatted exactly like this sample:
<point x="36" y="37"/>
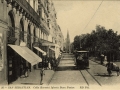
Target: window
<point x="34" y="34"/>
<point x="34" y="4"/>
<point x="29" y="37"/>
<point x="22" y="30"/>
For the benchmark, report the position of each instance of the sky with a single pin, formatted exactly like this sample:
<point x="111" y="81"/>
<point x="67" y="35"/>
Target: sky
<point x="82" y="16"/>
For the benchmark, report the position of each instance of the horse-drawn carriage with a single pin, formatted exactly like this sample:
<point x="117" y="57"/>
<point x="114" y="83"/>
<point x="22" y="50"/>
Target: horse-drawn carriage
<point x="112" y="67"/>
<point x="82" y="59"/>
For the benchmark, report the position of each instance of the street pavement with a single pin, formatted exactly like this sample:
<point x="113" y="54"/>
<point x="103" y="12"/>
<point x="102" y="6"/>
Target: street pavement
<point x="34" y="78"/>
<point x="96" y="74"/>
<point x="104" y="63"/>
<point x="68" y="74"/>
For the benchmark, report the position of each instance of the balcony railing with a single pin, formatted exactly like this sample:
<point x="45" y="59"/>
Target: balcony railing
<point x="26" y="6"/>
<point x="43" y="24"/>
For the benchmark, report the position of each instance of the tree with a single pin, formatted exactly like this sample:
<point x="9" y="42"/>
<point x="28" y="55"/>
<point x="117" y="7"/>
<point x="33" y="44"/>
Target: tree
<point x="99" y="40"/>
<point x="76" y="42"/>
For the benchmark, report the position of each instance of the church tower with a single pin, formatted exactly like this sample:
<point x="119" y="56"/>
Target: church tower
<point x="68" y="42"/>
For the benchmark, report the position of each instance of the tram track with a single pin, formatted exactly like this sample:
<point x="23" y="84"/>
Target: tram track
<point x="85" y="77"/>
<point x="89" y="78"/>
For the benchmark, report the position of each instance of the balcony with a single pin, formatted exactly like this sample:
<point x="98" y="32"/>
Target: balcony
<point x="44" y="25"/>
<point x="44" y="6"/>
<point x="26" y="6"/>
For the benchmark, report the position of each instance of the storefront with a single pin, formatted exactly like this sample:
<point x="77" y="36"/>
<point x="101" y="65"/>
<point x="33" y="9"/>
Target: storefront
<point x="53" y="47"/>
<point x="52" y="52"/>
<point x="3" y="61"/>
<point x="42" y="54"/>
<point x="15" y="62"/>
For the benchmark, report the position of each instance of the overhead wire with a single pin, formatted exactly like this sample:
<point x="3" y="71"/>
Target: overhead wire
<point x="91" y="19"/>
<point x="93" y="15"/>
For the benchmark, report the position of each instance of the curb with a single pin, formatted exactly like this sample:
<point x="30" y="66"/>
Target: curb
<point x="104" y="64"/>
<point x="51" y="78"/>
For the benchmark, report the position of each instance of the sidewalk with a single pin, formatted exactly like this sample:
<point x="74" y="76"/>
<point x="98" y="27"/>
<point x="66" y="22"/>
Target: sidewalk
<point x="94" y="59"/>
<point x="97" y="61"/>
<point x="34" y="78"/>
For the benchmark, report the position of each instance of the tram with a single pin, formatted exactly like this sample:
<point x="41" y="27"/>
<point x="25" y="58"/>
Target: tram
<point x="82" y="60"/>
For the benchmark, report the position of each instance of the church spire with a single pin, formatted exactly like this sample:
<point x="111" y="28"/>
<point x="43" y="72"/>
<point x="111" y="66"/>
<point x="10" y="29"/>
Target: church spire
<point x="68" y="38"/>
<point x="68" y="42"/>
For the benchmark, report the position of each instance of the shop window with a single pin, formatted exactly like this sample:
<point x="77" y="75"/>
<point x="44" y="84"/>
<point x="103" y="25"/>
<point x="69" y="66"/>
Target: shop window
<point x="11" y="26"/>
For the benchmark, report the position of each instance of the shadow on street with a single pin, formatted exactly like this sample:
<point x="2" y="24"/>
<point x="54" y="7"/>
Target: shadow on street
<point x="103" y="75"/>
<point x="69" y="68"/>
<point x="30" y="83"/>
<point x="66" y="68"/>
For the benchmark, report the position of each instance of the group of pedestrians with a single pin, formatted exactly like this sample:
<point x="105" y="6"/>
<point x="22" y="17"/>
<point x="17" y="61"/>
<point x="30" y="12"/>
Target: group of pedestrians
<point x="50" y="63"/>
<point x="50" y="66"/>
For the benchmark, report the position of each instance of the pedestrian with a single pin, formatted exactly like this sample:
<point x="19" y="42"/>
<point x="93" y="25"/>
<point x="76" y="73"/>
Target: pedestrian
<point x="49" y="65"/>
<point x="21" y="70"/>
<point x="112" y="67"/>
<point x="26" y="72"/>
<point x="42" y="72"/>
<point x="109" y="66"/>
<point x="105" y="58"/>
<point x="102" y="58"/>
<point x="52" y="64"/>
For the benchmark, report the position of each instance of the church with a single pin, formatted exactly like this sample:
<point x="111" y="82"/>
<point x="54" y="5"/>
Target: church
<point x="67" y="43"/>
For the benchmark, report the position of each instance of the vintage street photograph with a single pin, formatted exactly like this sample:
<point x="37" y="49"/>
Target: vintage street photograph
<point x="60" y="44"/>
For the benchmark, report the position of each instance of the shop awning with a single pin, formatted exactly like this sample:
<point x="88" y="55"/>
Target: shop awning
<point x="26" y="53"/>
<point x="52" y="49"/>
<point x="50" y="44"/>
<point x="37" y="48"/>
<point x="33" y="54"/>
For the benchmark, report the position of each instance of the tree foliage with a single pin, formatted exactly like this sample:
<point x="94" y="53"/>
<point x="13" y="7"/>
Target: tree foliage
<point x="99" y="40"/>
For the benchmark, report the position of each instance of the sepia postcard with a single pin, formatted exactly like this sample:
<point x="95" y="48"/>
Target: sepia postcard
<point x="59" y="44"/>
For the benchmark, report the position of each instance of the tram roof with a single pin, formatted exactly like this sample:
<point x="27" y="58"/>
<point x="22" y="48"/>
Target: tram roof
<point x="82" y="51"/>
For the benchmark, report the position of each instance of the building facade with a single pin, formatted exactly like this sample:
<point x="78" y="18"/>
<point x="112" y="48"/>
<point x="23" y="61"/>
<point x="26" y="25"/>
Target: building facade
<point x="60" y="38"/>
<point x="24" y="28"/>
